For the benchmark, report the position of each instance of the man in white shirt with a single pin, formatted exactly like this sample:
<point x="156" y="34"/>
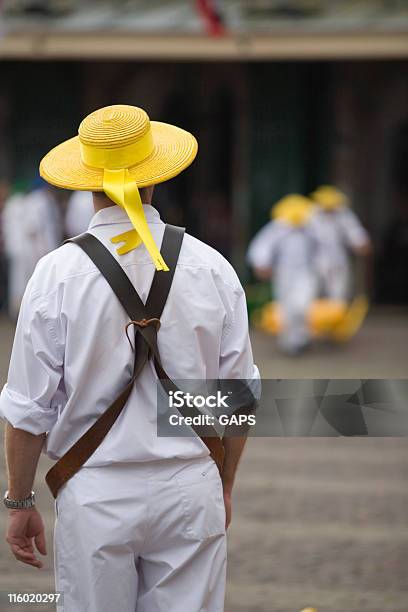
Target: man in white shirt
<point x="32" y="228"/>
<point x="142" y="525"/>
<point x="339" y="232"/>
<point x="17" y="250"/>
<point x="43" y="221"/>
<point x="285" y="250"/>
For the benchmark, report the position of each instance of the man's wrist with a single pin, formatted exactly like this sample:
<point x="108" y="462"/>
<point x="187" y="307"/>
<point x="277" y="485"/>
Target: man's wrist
<point x="18" y="493"/>
<point x="227" y="487"/>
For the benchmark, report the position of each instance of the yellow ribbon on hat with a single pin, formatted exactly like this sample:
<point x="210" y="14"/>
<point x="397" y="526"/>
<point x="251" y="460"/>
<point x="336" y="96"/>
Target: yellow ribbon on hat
<point x="121" y="188"/>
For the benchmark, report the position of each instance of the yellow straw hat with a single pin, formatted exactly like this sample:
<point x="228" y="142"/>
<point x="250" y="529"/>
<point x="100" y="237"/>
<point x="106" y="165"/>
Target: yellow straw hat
<point x="329" y="197"/>
<point x="294" y="208"/>
<point x="117" y="150"/>
<point x="293" y="199"/>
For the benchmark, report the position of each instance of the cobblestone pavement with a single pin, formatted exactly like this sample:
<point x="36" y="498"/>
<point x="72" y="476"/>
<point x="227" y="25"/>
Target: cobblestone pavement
<point x="317" y="522"/>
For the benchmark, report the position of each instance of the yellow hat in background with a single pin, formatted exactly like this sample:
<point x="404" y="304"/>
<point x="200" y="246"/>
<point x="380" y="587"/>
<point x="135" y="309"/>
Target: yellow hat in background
<point x="117" y="150"/>
<point x="329" y="197"/>
<point x="293" y="199"/>
<point x="294" y="209"/>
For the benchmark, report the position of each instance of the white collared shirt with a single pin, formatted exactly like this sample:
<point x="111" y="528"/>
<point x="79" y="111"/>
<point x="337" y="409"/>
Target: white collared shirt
<point x="71" y="357"/>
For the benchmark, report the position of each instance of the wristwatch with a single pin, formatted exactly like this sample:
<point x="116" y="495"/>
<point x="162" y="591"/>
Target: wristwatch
<point x="19" y="504"/>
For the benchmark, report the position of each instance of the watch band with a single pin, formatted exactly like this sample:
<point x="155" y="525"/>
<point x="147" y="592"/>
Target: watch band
<point x="19" y="504"/>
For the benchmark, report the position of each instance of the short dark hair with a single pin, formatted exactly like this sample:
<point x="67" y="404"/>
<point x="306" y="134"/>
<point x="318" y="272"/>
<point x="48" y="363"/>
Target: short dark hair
<point x="142" y="191"/>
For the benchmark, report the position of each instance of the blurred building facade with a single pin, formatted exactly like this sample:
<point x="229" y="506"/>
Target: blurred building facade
<point x="275" y="110"/>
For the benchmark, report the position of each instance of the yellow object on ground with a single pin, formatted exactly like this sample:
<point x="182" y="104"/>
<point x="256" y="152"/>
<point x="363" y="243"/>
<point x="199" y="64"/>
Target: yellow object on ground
<point x="269" y="318"/>
<point x="326" y="318"/>
<point x="309" y="610"/>
<point x="329" y="197"/>
<point x="117" y="150"/>
<point x="324" y="315"/>
<point x="352" y="321"/>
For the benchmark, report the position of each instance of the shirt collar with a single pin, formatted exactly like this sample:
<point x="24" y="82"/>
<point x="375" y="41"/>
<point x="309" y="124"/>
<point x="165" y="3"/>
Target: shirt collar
<point x="116" y="214"/>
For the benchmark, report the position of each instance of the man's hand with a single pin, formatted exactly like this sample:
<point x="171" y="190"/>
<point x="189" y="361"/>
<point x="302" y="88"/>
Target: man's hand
<point x="363" y="250"/>
<point x="24" y="526"/>
<point x="228" y="509"/>
<point x="22" y="453"/>
<point x="233" y="450"/>
<point x="262" y="274"/>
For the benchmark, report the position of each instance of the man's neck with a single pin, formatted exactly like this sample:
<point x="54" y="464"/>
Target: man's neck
<point x="101" y="201"/>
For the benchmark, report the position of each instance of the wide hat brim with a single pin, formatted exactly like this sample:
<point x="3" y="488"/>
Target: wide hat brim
<point x="174" y="150"/>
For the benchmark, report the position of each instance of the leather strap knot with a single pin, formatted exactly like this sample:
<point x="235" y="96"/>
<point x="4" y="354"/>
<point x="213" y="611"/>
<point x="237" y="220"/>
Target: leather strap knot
<point x="142" y="323"/>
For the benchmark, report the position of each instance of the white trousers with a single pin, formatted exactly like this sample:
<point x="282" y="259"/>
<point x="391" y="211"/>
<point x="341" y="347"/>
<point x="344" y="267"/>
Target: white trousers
<point x="142" y="537"/>
<point x="335" y="282"/>
<point x="295" y="292"/>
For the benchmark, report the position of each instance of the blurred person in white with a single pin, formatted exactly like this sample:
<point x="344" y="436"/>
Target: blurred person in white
<point x="285" y="251"/>
<point x="31" y="229"/>
<point x="43" y="220"/>
<point x="16" y="249"/>
<point x="141" y="524"/>
<point x="339" y="232"/>
<point x="79" y="213"/>
<point x="4" y="194"/>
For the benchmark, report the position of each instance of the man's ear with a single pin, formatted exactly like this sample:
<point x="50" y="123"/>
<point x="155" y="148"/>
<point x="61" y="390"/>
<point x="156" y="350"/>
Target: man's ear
<point x="146" y="194"/>
<point x="101" y="200"/>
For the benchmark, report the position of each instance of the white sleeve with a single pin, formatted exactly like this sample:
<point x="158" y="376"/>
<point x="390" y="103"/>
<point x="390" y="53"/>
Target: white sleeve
<point x="236" y="359"/>
<point x="261" y="247"/>
<point x="354" y="233"/>
<point x="36" y="369"/>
